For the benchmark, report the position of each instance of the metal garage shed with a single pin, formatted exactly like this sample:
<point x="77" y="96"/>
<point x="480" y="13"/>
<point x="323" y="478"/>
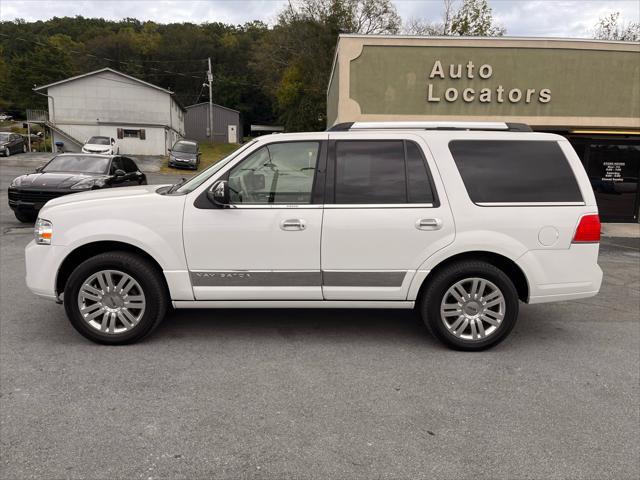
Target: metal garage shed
<point x="226" y="123"/>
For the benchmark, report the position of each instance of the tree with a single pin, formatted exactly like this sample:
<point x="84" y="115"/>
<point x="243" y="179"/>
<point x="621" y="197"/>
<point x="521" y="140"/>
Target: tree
<point x="609" y="28"/>
<point x="349" y="16"/>
<point x="475" y="19"/>
<point x="419" y="26"/>
<point x="293" y="61"/>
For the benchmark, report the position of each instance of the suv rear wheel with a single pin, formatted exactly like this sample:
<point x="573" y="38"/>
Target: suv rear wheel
<point x="470" y="305"/>
<point x="115" y="298"/>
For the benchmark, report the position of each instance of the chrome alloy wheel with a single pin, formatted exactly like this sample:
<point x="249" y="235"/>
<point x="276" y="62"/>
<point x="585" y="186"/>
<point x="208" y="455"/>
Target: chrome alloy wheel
<point x="111" y="301"/>
<point x="472" y="309"/>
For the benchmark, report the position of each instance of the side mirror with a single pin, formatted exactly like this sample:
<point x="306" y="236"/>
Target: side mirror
<point x="113" y="142"/>
<point x="169" y="150"/>
<point x="119" y="173"/>
<point x="218" y="193"/>
<point x="39" y="169"/>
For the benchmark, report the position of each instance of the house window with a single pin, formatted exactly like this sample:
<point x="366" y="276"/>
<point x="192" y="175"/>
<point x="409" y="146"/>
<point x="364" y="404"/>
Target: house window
<point x="131" y="133"/>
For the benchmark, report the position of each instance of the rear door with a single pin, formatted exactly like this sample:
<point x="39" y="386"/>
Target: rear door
<point x="385" y="213"/>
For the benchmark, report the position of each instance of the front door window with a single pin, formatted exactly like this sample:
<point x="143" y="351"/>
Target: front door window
<point x="280" y="173"/>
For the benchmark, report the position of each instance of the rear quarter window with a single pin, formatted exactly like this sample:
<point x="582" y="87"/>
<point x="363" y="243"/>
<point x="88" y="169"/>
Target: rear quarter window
<point x="513" y="171"/>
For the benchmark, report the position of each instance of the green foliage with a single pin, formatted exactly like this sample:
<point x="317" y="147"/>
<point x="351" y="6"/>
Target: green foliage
<point x="271" y="75"/>
<point x="475" y="19"/>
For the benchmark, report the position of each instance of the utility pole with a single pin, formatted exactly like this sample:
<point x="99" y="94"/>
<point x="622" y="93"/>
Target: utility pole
<point x="210" y="78"/>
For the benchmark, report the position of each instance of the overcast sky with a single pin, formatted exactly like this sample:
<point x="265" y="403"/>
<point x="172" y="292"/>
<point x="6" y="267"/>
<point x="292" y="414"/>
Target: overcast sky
<point x="549" y="18"/>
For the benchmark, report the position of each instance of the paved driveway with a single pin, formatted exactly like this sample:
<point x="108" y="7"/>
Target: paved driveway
<point x="321" y="394"/>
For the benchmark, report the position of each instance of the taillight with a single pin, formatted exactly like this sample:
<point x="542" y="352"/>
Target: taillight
<point x="588" y="230"/>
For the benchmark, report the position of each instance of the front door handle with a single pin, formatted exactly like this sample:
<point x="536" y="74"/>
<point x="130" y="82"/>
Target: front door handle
<point x="429" y="224"/>
<point x="293" y="224"/>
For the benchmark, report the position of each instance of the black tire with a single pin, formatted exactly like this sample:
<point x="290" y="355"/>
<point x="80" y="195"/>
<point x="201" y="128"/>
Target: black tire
<point x="25" y="217"/>
<point x="442" y="280"/>
<point x="141" y="270"/>
<point x="7" y="152"/>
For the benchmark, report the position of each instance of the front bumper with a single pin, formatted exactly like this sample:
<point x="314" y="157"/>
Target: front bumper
<point x="31" y="200"/>
<point x="42" y="265"/>
<point x="98" y="152"/>
<point x="178" y="162"/>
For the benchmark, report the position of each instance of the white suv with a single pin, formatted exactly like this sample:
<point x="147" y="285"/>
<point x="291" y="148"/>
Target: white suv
<point x="459" y="220"/>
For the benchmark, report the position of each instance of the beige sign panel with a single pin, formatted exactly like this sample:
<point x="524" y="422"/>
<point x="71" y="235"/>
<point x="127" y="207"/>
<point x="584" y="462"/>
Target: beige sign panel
<point x="566" y="83"/>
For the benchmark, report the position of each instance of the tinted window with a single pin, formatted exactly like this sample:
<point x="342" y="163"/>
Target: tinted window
<point x="370" y="172"/>
<point x="185" y="147"/>
<point x="417" y="177"/>
<point x="78" y="163"/>
<point x="377" y="172"/>
<point x="129" y="165"/>
<point x="99" y="141"/>
<point x="117" y="164"/>
<point x="515" y="171"/>
<point x="277" y="173"/>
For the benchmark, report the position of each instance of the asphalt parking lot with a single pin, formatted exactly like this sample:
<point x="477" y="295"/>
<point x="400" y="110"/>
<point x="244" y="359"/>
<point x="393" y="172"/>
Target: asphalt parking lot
<point x="320" y="394"/>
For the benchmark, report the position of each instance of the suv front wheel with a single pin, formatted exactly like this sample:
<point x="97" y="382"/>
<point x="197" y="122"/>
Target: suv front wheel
<point x="115" y="298"/>
<point x="470" y="305"/>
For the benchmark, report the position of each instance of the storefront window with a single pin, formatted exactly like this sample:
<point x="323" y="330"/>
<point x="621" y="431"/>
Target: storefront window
<point x="613" y="167"/>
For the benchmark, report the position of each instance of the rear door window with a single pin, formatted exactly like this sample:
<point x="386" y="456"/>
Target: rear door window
<point x="381" y="172"/>
<point x="512" y="171"/>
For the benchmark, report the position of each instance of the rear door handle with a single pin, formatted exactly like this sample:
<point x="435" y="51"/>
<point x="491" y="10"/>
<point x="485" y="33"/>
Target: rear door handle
<point x="293" y="224"/>
<point x="429" y="224"/>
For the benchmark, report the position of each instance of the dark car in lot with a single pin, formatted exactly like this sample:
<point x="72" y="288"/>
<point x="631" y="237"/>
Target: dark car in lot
<point x="185" y="153"/>
<point x="12" y="143"/>
<point x="70" y="173"/>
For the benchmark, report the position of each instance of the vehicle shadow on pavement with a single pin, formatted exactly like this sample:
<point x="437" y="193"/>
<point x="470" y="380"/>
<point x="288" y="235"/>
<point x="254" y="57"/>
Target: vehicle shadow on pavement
<point x="319" y="325"/>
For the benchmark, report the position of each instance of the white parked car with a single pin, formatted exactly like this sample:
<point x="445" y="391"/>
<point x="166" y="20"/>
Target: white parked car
<point x="101" y="145"/>
<point x="459" y="220"/>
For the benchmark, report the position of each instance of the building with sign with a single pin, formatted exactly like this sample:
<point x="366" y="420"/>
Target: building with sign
<point x="586" y="90"/>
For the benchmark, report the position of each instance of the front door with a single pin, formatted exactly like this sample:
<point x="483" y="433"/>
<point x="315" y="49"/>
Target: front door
<point x="266" y="246"/>
<point x="385" y="215"/>
<point x="232" y="134"/>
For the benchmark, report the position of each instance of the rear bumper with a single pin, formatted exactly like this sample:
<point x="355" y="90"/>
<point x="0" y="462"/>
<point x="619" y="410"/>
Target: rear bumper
<point x="558" y="275"/>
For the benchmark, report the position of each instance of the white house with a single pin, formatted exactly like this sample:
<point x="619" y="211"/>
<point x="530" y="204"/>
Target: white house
<point x="144" y="118"/>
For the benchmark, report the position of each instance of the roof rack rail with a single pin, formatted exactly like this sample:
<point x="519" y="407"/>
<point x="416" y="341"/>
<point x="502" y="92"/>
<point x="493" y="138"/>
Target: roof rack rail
<point x="494" y="126"/>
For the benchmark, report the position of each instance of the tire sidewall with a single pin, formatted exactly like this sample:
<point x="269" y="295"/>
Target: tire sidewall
<point x="445" y="279"/>
<point x="138" y="269"/>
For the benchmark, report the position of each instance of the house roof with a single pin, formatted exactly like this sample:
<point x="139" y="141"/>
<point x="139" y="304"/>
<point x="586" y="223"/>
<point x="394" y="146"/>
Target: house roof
<point x="103" y="70"/>
<point x="215" y="105"/>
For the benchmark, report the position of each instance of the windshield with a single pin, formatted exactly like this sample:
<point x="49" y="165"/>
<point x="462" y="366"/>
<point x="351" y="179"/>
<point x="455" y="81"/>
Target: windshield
<point x="185" y="147"/>
<point x="4" y="137"/>
<point x="196" y="181"/>
<point x="99" y="140"/>
<point x="78" y="163"/>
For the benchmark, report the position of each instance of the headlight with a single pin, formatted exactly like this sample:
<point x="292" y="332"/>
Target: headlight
<point x="16" y="182"/>
<point x="43" y="232"/>
<point x="88" y="184"/>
